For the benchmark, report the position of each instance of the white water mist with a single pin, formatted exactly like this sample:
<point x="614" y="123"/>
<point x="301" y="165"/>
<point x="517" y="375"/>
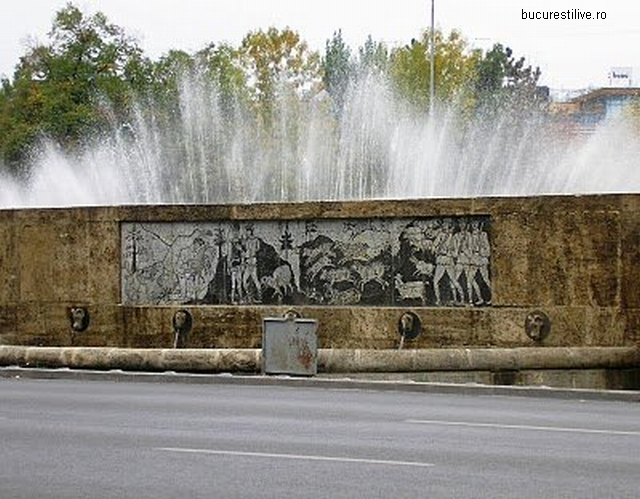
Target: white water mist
<point x="376" y="148"/>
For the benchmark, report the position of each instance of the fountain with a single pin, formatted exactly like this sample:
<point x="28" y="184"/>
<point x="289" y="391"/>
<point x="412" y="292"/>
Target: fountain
<point x="360" y="220"/>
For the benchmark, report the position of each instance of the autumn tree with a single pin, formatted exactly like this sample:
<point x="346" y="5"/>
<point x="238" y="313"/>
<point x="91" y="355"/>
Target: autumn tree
<point x="276" y="61"/>
<point x="455" y="65"/>
<point x="632" y="113"/>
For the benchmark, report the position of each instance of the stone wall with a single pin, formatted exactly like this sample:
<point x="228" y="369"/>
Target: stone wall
<point x="575" y="259"/>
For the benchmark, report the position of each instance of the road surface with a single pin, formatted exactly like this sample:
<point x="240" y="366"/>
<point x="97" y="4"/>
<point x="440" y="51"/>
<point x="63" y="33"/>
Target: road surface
<point x="103" y="439"/>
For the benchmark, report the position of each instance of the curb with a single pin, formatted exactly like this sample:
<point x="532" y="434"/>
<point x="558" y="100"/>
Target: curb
<point x="320" y="382"/>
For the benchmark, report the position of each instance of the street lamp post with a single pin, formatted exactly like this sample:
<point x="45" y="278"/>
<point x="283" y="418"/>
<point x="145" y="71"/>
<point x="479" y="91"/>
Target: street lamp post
<point x="432" y="61"/>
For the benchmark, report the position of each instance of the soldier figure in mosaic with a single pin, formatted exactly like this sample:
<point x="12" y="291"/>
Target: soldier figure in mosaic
<point x="446" y="249"/>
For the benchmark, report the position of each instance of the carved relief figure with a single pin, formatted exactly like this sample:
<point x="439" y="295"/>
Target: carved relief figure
<point x="281" y="282"/>
<point x="480" y="257"/>
<point x="197" y="267"/>
<point x="447" y="248"/>
<point x="250" y="281"/>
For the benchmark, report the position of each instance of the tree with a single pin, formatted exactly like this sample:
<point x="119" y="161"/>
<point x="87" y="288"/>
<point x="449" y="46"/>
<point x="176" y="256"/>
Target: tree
<point x="373" y="56"/>
<point x="500" y="77"/>
<point x="58" y="87"/>
<point x="274" y="60"/>
<point x="96" y="54"/>
<point x="222" y="65"/>
<point x="167" y="72"/>
<point x="632" y="113"/>
<point x="454" y="68"/>
<point x="338" y="69"/>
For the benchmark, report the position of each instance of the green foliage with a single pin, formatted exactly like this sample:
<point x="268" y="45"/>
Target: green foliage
<point x="373" y="56"/>
<point x="455" y="66"/>
<point x="58" y="87"/>
<point x="97" y="56"/>
<point x="410" y="73"/>
<point x="221" y="65"/>
<point x="167" y="72"/>
<point x="500" y="78"/>
<point x="338" y="69"/>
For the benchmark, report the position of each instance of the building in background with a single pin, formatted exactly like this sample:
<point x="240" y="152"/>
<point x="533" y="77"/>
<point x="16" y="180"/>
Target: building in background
<point x="583" y="113"/>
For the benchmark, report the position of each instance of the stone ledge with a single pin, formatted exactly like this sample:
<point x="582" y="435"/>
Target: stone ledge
<point x="133" y="359"/>
<point x="477" y="359"/>
<point x="329" y="361"/>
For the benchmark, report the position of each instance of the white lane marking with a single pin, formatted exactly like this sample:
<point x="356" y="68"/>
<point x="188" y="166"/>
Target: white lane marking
<point x="523" y="427"/>
<point x="301" y="457"/>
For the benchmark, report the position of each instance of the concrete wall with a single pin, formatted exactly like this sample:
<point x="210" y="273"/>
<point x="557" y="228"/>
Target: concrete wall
<point x="577" y="259"/>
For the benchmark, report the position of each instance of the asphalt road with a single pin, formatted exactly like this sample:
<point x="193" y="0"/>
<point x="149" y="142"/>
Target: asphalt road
<point x="103" y="439"/>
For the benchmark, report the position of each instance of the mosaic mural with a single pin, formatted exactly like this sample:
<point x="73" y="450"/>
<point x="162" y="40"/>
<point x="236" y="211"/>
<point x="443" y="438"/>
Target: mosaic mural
<point x="441" y="261"/>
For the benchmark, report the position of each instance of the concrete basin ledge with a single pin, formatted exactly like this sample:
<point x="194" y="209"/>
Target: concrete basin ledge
<point x="329" y="360"/>
<point x="477" y="359"/>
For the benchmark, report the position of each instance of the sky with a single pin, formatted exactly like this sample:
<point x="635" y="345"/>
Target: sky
<point x="572" y="54"/>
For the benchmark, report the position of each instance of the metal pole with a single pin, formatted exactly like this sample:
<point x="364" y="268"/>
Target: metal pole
<point x="432" y="61"/>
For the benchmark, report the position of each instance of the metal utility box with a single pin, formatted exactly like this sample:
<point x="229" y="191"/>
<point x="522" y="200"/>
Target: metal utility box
<point x="290" y="346"/>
